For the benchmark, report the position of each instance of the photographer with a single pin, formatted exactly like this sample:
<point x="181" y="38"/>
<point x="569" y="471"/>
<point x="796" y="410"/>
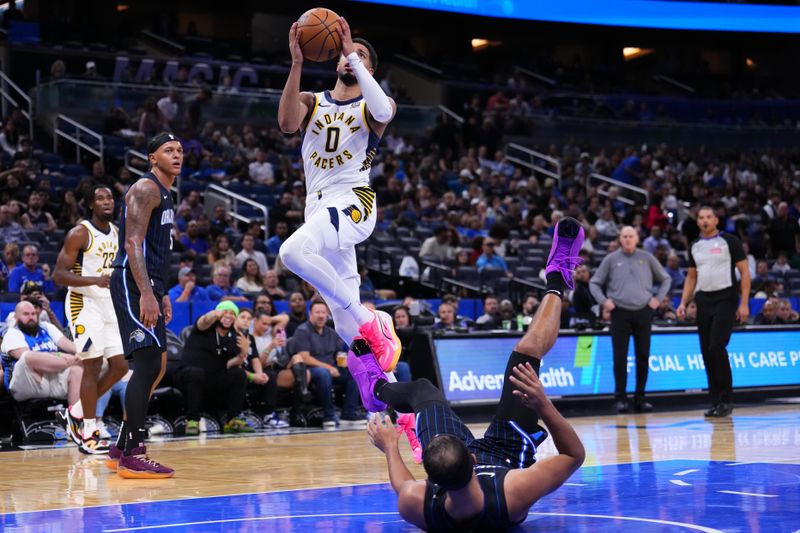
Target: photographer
<point x="215" y="347"/>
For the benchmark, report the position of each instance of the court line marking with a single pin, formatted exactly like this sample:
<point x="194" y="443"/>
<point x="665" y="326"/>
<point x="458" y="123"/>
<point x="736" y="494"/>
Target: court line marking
<point x="749" y="494"/>
<point x="766" y="461"/>
<point x="250" y="519"/>
<point x="680" y="483"/>
<point x="696" y="527"/>
<point x="684" y="472"/>
<point x="575" y="484"/>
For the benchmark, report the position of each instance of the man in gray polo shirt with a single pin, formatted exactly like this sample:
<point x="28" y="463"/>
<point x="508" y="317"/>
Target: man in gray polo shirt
<point x="623" y="286"/>
<point x="318" y="345"/>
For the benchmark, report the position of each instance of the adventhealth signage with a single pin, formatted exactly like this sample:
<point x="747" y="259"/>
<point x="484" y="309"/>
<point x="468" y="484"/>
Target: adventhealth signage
<point x="471" y="369"/>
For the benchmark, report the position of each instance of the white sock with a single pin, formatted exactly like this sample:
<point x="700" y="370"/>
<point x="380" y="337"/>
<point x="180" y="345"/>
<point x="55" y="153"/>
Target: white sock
<point x="76" y="410"/>
<point x="89" y="427"/>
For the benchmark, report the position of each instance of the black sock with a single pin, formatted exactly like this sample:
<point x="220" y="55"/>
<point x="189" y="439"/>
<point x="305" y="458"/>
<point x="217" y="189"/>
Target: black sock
<point x="555" y="283"/>
<point x="122" y="438"/>
<point x="136" y="438"/>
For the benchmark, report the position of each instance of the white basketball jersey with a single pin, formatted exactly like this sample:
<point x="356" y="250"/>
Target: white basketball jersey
<point x="96" y="260"/>
<point x="338" y="144"/>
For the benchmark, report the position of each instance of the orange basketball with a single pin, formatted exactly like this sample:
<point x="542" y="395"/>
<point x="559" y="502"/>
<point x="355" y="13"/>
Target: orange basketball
<point x="318" y="38"/>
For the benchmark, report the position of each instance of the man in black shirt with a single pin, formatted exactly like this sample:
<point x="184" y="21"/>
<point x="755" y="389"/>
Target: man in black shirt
<point x="784" y="232"/>
<point x="219" y="350"/>
<point x="712" y="260"/>
<point x="297" y="313"/>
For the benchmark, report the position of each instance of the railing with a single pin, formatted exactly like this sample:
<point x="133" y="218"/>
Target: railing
<point x="537" y="162"/>
<point x="447" y="112"/>
<point x="235" y="201"/>
<point x="419" y="64"/>
<point x="535" y="75"/>
<point x="75" y="138"/>
<point x="8" y="90"/>
<point x="628" y="194"/>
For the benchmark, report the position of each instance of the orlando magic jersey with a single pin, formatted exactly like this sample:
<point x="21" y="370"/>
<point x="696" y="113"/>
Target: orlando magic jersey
<point x="96" y="260"/>
<point x="338" y="144"/>
<point x="157" y="245"/>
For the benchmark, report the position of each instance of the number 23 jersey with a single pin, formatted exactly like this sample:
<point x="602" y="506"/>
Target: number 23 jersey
<point x="338" y="144"/>
<point x="97" y="259"/>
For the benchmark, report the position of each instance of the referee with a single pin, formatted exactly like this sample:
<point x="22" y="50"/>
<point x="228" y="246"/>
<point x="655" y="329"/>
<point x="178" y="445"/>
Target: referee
<point x="623" y="286"/>
<point x="712" y="258"/>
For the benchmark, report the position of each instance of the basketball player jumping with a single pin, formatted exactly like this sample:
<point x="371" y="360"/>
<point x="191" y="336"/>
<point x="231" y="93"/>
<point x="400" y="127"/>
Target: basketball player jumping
<point x="341" y="131"/>
<point x="84" y="265"/>
<point x="486" y="484"/>
<point x="141" y="302"/>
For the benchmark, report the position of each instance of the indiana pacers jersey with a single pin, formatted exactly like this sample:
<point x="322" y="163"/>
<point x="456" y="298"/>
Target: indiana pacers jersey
<point x="96" y="260"/>
<point x="338" y="144"/>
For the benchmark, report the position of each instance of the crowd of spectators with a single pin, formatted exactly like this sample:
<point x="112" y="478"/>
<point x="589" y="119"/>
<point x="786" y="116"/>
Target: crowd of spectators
<point x="448" y="196"/>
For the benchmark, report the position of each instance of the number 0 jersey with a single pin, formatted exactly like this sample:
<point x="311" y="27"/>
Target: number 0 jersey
<point x="96" y="260"/>
<point x="338" y="144"/>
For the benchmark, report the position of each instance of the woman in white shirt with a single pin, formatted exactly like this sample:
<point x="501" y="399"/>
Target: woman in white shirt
<point x="251" y="281"/>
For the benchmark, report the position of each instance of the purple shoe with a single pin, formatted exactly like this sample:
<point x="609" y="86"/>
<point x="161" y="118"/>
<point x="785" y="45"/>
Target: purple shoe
<point x="114" y="454"/>
<point x="138" y="466"/>
<point x="366" y="372"/>
<point x="567" y="241"/>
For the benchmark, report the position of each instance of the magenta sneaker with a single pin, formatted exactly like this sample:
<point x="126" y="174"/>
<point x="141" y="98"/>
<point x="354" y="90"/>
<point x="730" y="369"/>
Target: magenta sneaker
<point x="382" y="340"/>
<point x="366" y="372"/>
<point x="138" y="466"/>
<point x="114" y="454"/>
<point x="567" y="241"/>
<point x="407" y="423"/>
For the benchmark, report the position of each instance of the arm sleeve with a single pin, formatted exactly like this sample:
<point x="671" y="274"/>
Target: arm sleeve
<point x="692" y="264"/>
<point x="736" y="248"/>
<point x="378" y="104"/>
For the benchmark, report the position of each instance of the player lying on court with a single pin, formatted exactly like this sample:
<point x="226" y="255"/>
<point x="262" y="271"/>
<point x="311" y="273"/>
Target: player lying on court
<point x="485" y="484"/>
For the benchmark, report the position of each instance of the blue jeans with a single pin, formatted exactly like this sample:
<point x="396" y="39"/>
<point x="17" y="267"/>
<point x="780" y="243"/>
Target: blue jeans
<point x="402" y="371"/>
<point x="102" y="402"/>
<point x="323" y="383"/>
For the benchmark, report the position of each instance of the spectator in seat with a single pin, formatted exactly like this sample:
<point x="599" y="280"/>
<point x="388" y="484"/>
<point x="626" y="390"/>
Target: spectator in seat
<point x="272" y="285"/>
<point x="193" y="241"/>
<point x="222" y="222"/>
<point x="447" y="318"/>
<point x="673" y="269"/>
<point x="215" y="347"/>
<point x="437" y="247"/>
<point x="401" y="315"/>
<point x="489" y="260"/>
<point x="38" y="360"/>
<point x="194" y="204"/>
<point x="36" y="217"/>
<point x="781" y="267"/>
<point x="582" y="300"/>
<point x="29" y="270"/>
<point x="281" y="232"/>
<point x="297" y="313"/>
<point x="187" y="289"/>
<point x="769" y="313"/>
<point x="10" y="231"/>
<point x="607" y="227"/>
<point x="691" y="314"/>
<point x="762" y="276"/>
<point x="490" y="319"/>
<point x="787" y="315"/>
<point x="261" y="170"/>
<point x="168" y="108"/>
<point x="221" y="251"/>
<point x="254" y="229"/>
<point x="319" y="346"/>
<point x="220" y="288"/>
<point x="251" y="281"/>
<point x="655" y="240"/>
<point x="249" y="251"/>
<point x="8" y="262"/>
<point x="32" y="292"/>
<point x="784" y="232"/>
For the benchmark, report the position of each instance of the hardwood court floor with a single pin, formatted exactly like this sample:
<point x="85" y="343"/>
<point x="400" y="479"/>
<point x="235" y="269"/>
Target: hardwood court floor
<point x="59" y="478"/>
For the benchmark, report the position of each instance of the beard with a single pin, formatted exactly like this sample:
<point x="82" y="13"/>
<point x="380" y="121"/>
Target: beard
<point x="106" y="217"/>
<point x="348" y="79"/>
<point x="30" y="329"/>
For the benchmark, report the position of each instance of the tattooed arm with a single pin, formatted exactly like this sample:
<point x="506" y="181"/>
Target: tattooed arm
<point x="140" y="201"/>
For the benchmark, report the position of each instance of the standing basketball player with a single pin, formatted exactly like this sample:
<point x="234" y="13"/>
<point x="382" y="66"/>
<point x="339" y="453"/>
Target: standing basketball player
<point x="341" y="131"/>
<point x="84" y="265"/>
<point x="486" y="484"/>
<point x="140" y="299"/>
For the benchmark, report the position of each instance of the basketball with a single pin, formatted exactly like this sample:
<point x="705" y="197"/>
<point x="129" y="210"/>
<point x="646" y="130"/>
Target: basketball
<point x="318" y="38"/>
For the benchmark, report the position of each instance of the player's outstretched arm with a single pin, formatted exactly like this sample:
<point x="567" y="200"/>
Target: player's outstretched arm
<point x="380" y="107"/>
<point x="524" y="487"/>
<point x="76" y="240"/>
<point x="294" y="106"/>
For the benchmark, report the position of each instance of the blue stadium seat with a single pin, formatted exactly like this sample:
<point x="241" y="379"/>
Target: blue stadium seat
<point x="73" y="169"/>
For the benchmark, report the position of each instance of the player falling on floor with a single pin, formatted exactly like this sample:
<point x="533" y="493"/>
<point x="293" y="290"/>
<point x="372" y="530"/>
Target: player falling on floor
<point x="84" y="265"/>
<point x="141" y="303"/>
<point x="486" y="484"/>
<point x="341" y="131"/>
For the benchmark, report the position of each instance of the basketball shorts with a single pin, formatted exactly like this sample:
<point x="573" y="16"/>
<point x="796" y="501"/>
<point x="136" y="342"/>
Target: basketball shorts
<point x="93" y="323"/>
<point x="133" y="334"/>
<point x="513" y="435"/>
<point x="351" y="211"/>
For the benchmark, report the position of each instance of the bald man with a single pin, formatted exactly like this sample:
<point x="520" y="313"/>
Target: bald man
<point x="623" y="286"/>
<point x="39" y="361"/>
